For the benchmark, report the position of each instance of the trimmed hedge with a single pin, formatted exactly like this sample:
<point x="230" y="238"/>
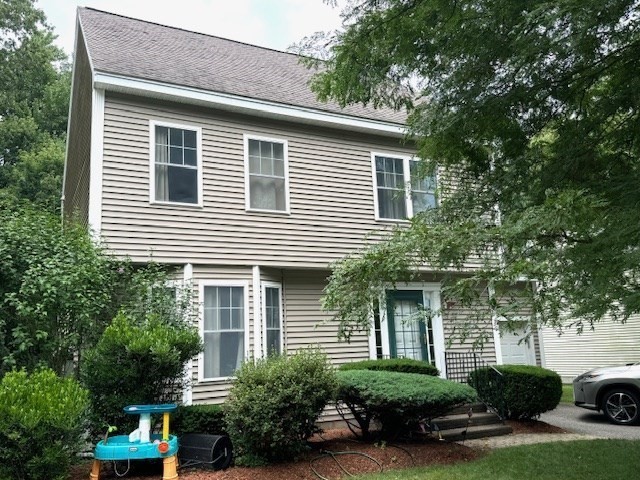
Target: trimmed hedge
<point x="41" y="424"/>
<point x="527" y="390"/>
<point x="398" y="400"/>
<point x="207" y="419"/>
<point x="402" y="365"/>
<point x="274" y="404"/>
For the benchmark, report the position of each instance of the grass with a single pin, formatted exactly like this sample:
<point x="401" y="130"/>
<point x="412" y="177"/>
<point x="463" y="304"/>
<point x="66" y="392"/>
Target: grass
<point x="567" y="394"/>
<point x="578" y="460"/>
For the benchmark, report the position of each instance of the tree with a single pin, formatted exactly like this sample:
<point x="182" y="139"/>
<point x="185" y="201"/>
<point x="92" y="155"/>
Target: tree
<point x="35" y="85"/>
<point x="59" y="291"/>
<point x="533" y="106"/>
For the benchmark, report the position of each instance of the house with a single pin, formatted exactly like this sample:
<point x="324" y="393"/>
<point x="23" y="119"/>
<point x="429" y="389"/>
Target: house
<point x="609" y="343"/>
<point x="215" y="157"/>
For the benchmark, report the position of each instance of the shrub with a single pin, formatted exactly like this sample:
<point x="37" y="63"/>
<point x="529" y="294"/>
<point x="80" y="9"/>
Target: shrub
<point x="40" y="424"/>
<point x="274" y="404"/>
<point x="397" y="400"/>
<point x="198" y="419"/>
<point x="522" y="392"/>
<point x="402" y="365"/>
<point x="136" y="363"/>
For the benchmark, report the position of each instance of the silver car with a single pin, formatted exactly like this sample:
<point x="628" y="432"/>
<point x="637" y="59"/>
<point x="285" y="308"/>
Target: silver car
<point x="614" y="390"/>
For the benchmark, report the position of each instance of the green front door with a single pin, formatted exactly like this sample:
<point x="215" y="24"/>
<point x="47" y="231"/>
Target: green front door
<point x="407" y="330"/>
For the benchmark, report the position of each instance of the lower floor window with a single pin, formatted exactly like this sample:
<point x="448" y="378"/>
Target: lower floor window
<point x="224" y="323"/>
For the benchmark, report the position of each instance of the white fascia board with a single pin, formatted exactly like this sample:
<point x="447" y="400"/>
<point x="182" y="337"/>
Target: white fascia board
<point x="223" y="101"/>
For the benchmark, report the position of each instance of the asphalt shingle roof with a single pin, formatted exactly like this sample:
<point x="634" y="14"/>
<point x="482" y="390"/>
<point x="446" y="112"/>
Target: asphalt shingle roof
<point x="135" y="48"/>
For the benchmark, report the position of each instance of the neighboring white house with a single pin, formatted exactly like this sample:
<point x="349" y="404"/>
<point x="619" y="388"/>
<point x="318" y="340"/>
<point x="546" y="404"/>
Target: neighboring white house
<point x="610" y="343"/>
<point x="215" y="157"/>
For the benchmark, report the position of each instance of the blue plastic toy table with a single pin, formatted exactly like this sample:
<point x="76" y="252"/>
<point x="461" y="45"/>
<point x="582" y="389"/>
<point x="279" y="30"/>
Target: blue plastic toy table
<point x="141" y="444"/>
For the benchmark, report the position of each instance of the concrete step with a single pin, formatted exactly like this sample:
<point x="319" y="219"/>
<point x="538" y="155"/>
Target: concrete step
<point x="460" y="420"/>
<point x="477" y="407"/>
<point x="478" y="431"/>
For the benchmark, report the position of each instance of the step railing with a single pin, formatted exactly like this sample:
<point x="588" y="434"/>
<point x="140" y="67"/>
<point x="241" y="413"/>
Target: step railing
<point x="486" y="379"/>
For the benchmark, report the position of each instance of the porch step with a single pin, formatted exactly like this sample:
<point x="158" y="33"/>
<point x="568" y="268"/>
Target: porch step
<point x="478" y="431"/>
<point x="476" y="407"/>
<point x="457" y="425"/>
<point x="461" y="420"/>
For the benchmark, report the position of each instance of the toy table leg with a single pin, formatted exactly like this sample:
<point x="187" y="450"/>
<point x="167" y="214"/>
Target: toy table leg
<point x="169" y="468"/>
<point x="95" y="470"/>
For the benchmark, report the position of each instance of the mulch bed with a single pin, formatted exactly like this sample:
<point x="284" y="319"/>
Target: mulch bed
<point x="392" y="456"/>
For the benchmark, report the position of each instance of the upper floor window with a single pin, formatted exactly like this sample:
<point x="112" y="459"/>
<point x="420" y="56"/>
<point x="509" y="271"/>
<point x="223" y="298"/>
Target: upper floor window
<point x="267" y="182"/>
<point x="399" y="191"/>
<point x="175" y="162"/>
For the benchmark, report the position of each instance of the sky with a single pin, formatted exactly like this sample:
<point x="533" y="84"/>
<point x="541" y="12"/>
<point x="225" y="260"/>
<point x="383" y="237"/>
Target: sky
<point x="269" y="23"/>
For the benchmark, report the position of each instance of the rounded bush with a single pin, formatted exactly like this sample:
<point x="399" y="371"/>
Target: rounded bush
<point x="136" y="363"/>
<point x="522" y="391"/>
<point x="398" y="400"/>
<point x="41" y="424"/>
<point x="274" y="404"/>
<point x="207" y="419"/>
<point x="402" y="365"/>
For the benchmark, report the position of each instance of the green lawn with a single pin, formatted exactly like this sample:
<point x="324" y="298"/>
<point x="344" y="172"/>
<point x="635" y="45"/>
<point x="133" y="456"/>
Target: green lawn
<point x="578" y="460"/>
<point x="567" y="394"/>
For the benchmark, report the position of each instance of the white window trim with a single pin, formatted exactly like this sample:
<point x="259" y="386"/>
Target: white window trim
<point x="431" y="291"/>
<point x="221" y="283"/>
<point x="152" y="162"/>
<point x="406" y="170"/>
<point x="263" y="290"/>
<point x="247" y="191"/>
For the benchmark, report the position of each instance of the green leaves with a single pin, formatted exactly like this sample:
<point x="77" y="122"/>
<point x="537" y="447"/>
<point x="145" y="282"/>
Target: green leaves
<point x="41" y="424"/>
<point x="530" y="111"/>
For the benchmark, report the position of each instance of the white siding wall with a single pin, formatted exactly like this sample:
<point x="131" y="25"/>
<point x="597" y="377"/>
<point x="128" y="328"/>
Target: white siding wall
<point x="609" y="344"/>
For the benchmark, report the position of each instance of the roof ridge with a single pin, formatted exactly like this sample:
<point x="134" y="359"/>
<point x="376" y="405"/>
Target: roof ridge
<point x="192" y="31"/>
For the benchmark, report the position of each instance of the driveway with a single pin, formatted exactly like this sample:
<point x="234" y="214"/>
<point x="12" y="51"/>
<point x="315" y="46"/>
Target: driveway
<point x="579" y="420"/>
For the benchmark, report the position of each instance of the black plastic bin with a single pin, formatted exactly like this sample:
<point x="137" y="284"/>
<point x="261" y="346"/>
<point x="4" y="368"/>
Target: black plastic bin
<point x="211" y="451"/>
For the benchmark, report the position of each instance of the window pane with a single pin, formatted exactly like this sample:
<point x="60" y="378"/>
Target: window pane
<point x="224" y="295"/>
<point x="391" y="204"/>
<point x="254" y="164"/>
<point x="273" y="342"/>
<point x="162" y="136"/>
<point x="175" y="155"/>
<point x="254" y="148"/>
<point x="266" y="166"/>
<point x="265" y="149"/>
<point x="278" y="151"/>
<point x="175" y="136"/>
<point x="190" y="138"/>
<point x="182" y="184"/>
<point x="162" y="154"/>
<point x="190" y="157"/>
<point x="422" y="201"/>
<point x="223" y="353"/>
<point x="237" y="296"/>
<point x="267" y="193"/>
<point x="278" y="168"/>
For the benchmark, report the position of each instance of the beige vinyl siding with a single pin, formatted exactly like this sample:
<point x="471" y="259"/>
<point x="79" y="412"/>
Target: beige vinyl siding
<point x="306" y="323"/>
<point x="463" y="327"/>
<point x="610" y="343"/>
<point x="217" y="391"/>
<point x="77" y="168"/>
<point x="331" y="192"/>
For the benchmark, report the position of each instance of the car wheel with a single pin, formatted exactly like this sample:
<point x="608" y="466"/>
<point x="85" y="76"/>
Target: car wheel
<point x="621" y="407"/>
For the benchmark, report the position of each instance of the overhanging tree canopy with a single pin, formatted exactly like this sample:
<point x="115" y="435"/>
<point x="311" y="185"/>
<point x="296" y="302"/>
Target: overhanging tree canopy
<point x="534" y="105"/>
